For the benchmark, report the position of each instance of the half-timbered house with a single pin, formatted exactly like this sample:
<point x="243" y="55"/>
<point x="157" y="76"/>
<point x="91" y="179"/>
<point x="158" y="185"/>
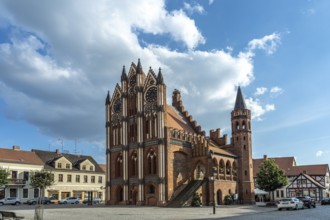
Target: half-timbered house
<point x="311" y="180"/>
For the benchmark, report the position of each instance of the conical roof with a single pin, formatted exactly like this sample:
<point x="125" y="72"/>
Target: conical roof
<point x="123" y="74"/>
<point x="160" y="80"/>
<point x="139" y="67"/>
<point x="107" y="100"/>
<point x="240" y="103"/>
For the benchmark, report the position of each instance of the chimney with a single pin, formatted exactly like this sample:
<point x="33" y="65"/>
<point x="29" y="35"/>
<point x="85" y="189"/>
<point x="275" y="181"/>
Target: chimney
<point x="58" y="151"/>
<point x="265" y="157"/>
<point x="17" y="148"/>
<point x="176" y="98"/>
<point x="217" y="133"/>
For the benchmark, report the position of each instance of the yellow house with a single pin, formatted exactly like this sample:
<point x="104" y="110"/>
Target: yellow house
<point x="74" y="175"/>
<point x="20" y="165"/>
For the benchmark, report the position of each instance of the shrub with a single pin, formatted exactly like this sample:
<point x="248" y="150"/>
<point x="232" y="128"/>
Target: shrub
<point x="196" y="201"/>
<point x="228" y="200"/>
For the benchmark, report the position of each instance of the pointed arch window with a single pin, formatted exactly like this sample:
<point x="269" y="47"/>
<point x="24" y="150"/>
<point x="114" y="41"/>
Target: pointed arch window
<point x="243" y="125"/>
<point x="222" y="169"/>
<point x="134" y="164"/>
<point x="228" y="170"/>
<point x="152" y="162"/>
<point x="119" y="166"/>
<point x="132" y="132"/>
<point x="132" y="106"/>
<point x="237" y="126"/>
<point x="147" y="128"/>
<point x="153" y="126"/>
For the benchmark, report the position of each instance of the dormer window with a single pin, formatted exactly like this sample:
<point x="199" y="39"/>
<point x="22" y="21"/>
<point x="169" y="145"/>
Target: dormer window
<point x="83" y="167"/>
<point x="67" y="166"/>
<point x="59" y="165"/>
<point x="91" y="168"/>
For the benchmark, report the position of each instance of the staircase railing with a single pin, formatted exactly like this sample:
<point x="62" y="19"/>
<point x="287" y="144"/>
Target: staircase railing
<point x="186" y="193"/>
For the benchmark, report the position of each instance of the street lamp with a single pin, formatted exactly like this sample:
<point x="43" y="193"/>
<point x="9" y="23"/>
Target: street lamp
<point x="212" y="179"/>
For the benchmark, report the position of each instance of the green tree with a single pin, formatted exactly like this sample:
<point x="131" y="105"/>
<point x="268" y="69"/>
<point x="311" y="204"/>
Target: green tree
<point x="41" y="179"/>
<point x="4" y="173"/>
<point x="270" y="177"/>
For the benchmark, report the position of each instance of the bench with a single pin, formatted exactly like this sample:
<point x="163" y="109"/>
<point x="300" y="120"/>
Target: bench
<point x="9" y="215"/>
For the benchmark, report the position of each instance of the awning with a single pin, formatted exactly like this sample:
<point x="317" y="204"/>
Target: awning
<point x="258" y="191"/>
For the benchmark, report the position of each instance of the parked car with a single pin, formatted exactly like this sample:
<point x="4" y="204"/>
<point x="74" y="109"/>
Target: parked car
<point x="308" y="201"/>
<point x="53" y="199"/>
<point x="95" y="201"/>
<point x="10" y="201"/>
<point x="325" y="201"/>
<point x="44" y="200"/>
<point x="69" y="200"/>
<point x="290" y="203"/>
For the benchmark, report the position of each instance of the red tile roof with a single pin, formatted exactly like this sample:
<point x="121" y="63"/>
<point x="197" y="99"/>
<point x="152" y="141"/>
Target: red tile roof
<point x="103" y="167"/>
<point x="316" y="169"/>
<point x="285" y="163"/>
<point x="224" y="152"/>
<point x="19" y="156"/>
<point x="288" y="164"/>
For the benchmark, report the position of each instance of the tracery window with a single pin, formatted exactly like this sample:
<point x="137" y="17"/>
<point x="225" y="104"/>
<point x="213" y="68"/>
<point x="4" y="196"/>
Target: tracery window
<point x="134" y="165"/>
<point x="152" y="162"/>
<point x="119" y="166"/>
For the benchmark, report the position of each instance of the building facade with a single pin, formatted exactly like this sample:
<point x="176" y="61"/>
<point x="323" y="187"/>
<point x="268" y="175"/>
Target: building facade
<point x="158" y="155"/>
<point x="303" y="180"/>
<point x="74" y="175"/>
<point x="20" y="164"/>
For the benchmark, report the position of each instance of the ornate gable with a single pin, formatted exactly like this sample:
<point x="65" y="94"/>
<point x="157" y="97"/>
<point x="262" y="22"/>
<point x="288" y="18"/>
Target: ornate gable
<point x="150" y="80"/>
<point x="150" y="93"/>
<point x="116" y="106"/>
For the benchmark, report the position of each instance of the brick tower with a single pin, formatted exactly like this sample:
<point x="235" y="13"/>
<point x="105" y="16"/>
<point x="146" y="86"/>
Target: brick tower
<point x="241" y="141"/>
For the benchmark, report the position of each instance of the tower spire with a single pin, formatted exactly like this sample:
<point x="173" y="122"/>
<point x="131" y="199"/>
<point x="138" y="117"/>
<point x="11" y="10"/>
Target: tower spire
<point x="240" y="103"/>
<point x="123" y="74"/>
<point x="139" y="67"/>
<point x="107" y="100"/>
<point x="160" y="79"/>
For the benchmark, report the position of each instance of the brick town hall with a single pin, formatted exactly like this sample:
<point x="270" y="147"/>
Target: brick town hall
<point x="157" y="155"/>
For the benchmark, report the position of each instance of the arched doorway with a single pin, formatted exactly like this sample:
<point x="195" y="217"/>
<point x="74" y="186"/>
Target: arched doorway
<point x="120" y="194"/>
<point x="134" y="197"/>
<point x="219" y="197"/>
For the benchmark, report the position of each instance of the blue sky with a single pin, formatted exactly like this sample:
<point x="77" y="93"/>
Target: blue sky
<point x="58" y="59"/>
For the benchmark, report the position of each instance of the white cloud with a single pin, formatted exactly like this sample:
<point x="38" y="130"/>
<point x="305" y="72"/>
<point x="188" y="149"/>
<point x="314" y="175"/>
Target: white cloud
<point x="276" y="91"/>
<point x="64" y="55"/>
<point x="319" y="153"/>
<point x="192" y="9"/>
<point x="260" y="91"/>
<point x="257" y="109"/>
<point x="268" y="43"/>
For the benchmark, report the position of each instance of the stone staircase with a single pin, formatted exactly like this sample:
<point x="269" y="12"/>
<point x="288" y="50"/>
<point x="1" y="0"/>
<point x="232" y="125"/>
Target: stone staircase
<point x="185" y="194"/>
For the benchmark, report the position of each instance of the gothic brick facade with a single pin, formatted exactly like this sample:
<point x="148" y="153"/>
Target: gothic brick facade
<point x="154" y="150"/>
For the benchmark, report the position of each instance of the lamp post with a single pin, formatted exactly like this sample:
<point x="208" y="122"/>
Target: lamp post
<point x="212" y="179"/>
